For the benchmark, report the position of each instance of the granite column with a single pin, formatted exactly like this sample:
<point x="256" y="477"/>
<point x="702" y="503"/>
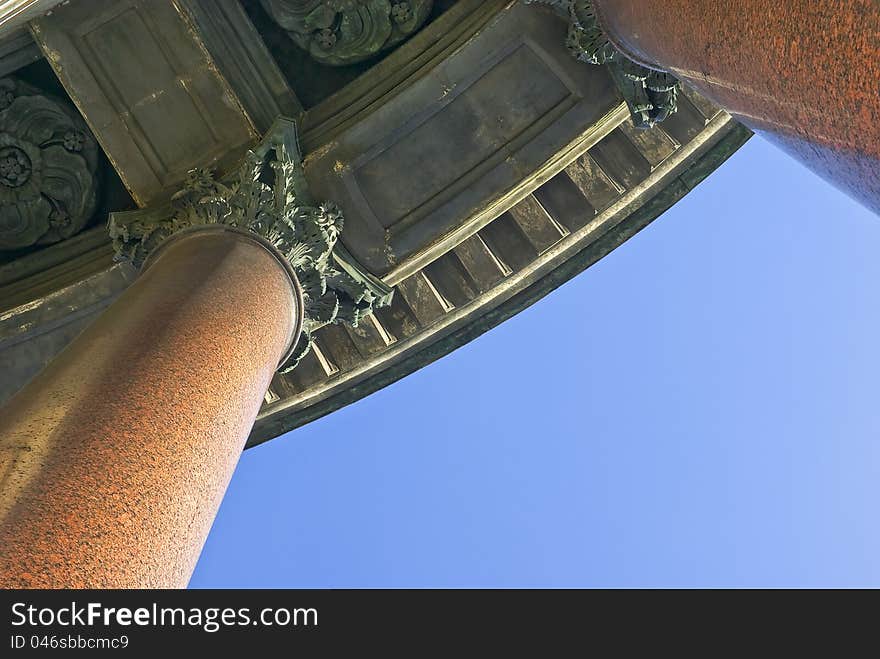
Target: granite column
<point x="804" y="73"/>
<point x="113" y="461"/>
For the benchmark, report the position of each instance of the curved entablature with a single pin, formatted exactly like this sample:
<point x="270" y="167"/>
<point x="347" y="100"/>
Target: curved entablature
<point x="599" y="200"/>
<point x="477" y="167"/>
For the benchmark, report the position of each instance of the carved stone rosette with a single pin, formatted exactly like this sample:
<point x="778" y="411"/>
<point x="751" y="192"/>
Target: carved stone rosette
<point x="48" y="168"/>
<point x="276" y="206"/>
<point x="340" y="32"/>
<point x="651" y="95"/>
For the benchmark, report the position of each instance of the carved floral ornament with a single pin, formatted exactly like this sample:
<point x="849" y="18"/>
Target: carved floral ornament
<point x="651" y="95"/>
<point x="340" y="32"/>
<point x="274" y="204"/>
<point x="48" y="166"/>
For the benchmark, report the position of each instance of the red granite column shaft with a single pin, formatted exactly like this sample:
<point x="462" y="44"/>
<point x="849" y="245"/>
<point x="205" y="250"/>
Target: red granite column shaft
<point x="804" y="71"/>
<point x="113" y="461"/>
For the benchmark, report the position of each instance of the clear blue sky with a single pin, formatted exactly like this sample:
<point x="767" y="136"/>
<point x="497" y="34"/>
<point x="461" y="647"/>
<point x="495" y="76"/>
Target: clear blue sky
<point x="698" y="409"/>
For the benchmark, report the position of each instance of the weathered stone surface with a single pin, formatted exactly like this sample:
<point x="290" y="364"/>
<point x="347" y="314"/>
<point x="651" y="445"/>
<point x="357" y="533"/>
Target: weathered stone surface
<point x="15" y="14"/>
<point x="32" y="334"/>
<point x="333" y="112"/>
<point x="148" y="87"/>
<point x="244" y="60"/>
<point x="48" y="168"/>
<point x="17" y="49"/>
<point x="464" y="141"/>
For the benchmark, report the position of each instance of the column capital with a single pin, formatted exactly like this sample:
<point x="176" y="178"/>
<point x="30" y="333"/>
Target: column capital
<point x="267" y="197"/>
<point x="650" y="94"/>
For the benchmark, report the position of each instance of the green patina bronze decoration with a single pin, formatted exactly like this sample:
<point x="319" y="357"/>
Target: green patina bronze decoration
<point x="340" y="32"/>
<point x="48" y="168"/>
<point x="305" y="233"/>
<point x="651" y="95"/>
